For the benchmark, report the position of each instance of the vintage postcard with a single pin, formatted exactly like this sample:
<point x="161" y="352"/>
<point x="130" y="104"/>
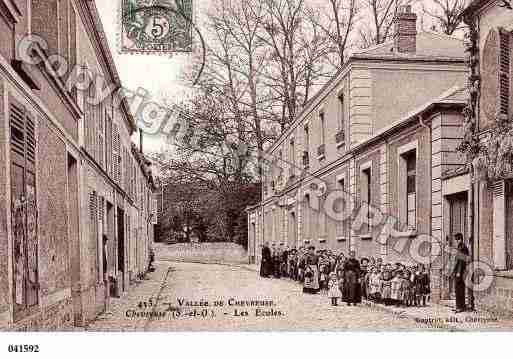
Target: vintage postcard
<point x="289" y="165"/>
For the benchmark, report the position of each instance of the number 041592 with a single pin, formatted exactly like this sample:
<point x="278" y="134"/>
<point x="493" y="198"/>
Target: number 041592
<point x="23" y="348"/>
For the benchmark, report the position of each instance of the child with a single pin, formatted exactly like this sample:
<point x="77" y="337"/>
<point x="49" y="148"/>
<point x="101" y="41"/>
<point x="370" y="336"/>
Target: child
<point x="396" y="288"/>
<point x="424" y="285"/>
<point x="334" y="289"/>
<point x="386" y="278"/>
<point x="375" y="285"/>
<point x="407" y="289"/>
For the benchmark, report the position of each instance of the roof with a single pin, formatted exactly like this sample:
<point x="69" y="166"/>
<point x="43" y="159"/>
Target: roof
<point x="106" y="55"/>
<point x="456" y="95"/>
<point x="430" y="45"/>
<point x="474" y="6"/>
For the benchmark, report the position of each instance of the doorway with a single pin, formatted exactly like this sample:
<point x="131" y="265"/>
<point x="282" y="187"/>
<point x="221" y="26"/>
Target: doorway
<point x="458" y="223"/>
<point x="121" y="246"/>
<point x="293" y="230"/>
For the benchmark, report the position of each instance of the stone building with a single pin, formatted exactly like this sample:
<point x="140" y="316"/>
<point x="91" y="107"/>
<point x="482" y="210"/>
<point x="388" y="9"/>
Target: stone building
<point x="489" y="48"/>
<point x="75" y="213"/>
<point x="361" y="167"/>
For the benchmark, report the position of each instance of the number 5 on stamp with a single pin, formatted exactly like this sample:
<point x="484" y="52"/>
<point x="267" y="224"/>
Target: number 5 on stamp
<point x="156" y="26"/>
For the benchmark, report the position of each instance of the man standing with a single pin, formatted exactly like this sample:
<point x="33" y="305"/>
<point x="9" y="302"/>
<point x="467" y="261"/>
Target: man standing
<point x="460" y="267"/>
<point x="266" y="260"/>
<point x="352" y="288"/>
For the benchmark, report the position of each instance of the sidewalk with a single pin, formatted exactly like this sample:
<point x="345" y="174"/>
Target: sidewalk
<point x="436" y="315"/>
<point x="115" y="318"/>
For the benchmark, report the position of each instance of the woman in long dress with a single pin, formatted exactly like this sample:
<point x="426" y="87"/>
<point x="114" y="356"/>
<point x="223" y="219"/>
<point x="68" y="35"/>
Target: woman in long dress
<point x="311" y="284"/>
<point x="352" y="287"/>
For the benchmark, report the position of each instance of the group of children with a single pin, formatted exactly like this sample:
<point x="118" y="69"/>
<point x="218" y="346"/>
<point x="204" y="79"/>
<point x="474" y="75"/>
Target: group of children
<point x="400" y="286"/>
<point x="368" y="278"/>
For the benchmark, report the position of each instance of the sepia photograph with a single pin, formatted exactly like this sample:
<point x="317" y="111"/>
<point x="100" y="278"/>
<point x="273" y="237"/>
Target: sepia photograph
<point x="255" y="166"/>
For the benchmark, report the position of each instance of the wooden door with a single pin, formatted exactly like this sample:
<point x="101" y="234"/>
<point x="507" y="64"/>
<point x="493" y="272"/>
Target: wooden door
<point x="458" y="224"/>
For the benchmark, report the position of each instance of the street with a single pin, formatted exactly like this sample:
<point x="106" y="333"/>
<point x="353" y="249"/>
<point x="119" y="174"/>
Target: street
<point x="154" y="304"/>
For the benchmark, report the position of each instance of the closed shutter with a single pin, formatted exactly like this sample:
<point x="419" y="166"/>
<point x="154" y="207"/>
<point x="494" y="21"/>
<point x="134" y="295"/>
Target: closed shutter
<point x="108" y="144"/>
<point x="116" y="154"/>
<point x="93" y="232"/>
<point x="101" y="131"/>
<point x="72" y="44"/>
<point x="23" y="207"/>
<point x="504" y="71"/>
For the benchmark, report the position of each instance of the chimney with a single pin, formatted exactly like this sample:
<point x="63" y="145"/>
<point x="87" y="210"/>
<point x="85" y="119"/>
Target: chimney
<point x="405" y="30"/>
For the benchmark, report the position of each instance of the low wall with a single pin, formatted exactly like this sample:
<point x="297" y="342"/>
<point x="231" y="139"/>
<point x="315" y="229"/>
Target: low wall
<point x="202" y="252"/>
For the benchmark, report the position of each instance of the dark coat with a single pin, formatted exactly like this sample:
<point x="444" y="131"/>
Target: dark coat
<point x="266" y="263"/>
<point x="460" y="265"/>
<point x="352" y="292"/>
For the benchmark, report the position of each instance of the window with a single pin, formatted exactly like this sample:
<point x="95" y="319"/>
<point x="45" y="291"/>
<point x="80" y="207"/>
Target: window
<point x="306" y="153"/>
<point x="341" y="225"/>
<point x="506" y="256"/>
<point x="341" y="113"/>
<point x="101" y="141"/>
<point x="116" y="155"/>
<point x="108" y="143"/>
<point x="45" y="23"/>
<point x="366" y="196"/>
<point x="292" y="158"/>
<point x="407" y="185"/>
<point x="7" y="30"/>
<point x="23" y="207"/>
<point x="322" y="123"/>
<point x="306" y="217"/>
<point x="411" y="189"/>
<point x="321" y="150"/>
<point x="307" y="139"/>
<point x="93" y="233"/>
<point x="72" y="52"/>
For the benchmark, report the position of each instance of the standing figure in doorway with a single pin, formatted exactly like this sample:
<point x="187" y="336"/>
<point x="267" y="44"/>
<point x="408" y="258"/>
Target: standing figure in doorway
<point x="459" y="272"/>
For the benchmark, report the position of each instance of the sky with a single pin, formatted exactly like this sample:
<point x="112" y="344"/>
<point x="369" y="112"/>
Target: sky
<point x="159" y="74"/>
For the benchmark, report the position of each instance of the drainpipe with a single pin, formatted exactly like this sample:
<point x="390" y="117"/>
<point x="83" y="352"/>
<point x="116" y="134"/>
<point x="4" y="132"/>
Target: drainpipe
<point x="471" y="240"/>
<point x="428" y="128"/>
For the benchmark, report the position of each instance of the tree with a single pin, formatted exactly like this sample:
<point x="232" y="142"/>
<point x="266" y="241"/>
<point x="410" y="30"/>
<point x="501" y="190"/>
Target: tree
<point x="381" y="14"/>
<point x="336" y="20"/>
<point x="447" y="14"/>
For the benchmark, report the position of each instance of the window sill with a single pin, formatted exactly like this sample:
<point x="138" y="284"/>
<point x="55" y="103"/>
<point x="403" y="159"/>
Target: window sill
<point x="306" y="241"/>
<point x="366" y="237"/>
<point x="322" y="240"/>
<point x="504" y="273"/>
<point x="341" y="239"/>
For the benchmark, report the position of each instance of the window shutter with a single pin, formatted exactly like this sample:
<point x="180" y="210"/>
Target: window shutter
<point x="24" y="208"/>
<point x="115" y="154"/>
<point x="499" y="235"/>
<point x="17" y="124"/>
<point x="93" y="231"/>
<point x="31" y="140"/>
<point x="504" y="71"/>
<point x="108" y="144"/>
<point x="490" y="79"/>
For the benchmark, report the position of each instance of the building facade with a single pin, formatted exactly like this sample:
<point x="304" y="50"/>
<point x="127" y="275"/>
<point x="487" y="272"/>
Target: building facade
<point x="361" y="167"/>
<point x="75" y="214"/>
<point x="490" y="108"/>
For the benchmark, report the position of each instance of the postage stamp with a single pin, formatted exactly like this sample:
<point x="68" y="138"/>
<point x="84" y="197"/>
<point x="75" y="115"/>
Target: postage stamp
<point x="156" y="26"/>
